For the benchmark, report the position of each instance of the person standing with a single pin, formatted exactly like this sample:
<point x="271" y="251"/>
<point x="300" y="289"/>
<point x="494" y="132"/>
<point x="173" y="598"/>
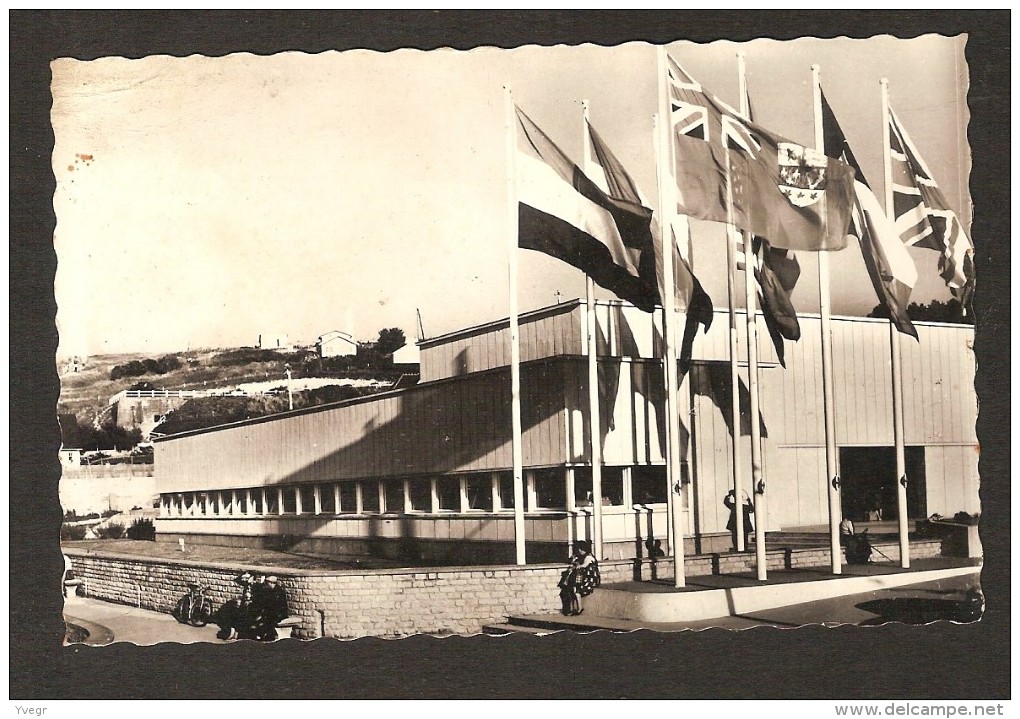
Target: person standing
<point x="581" y="579"/>
<point x="730" y="502"/>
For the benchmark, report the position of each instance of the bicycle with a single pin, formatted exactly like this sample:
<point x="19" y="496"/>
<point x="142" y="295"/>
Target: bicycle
<point x="194" y="608"/>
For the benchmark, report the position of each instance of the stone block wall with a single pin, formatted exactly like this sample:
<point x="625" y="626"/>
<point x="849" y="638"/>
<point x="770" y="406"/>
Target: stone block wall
<point x="400" y="602"/>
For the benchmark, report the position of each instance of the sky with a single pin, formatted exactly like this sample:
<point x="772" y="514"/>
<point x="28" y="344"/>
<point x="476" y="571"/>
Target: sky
<point x="202" y="202"/>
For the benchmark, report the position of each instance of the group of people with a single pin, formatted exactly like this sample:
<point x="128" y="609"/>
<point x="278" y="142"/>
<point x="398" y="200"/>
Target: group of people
<point x="254" y="614"/>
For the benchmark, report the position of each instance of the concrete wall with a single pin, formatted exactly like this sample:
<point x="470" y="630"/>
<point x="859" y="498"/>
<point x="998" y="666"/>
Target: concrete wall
<point x="400" y="602"/>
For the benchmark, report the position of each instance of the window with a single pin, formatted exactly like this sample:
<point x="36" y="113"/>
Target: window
<point x="649" y="485"/>
<point x="479" y="492"/>
<point x="394" y="490"/>
<point x="256" y="501"/>
<point x="348" y="498"/>
<point x="289" y="500"/>
<point x="242" y="501"/>
<point x="612" y="486"/>
<point x="370" y="497"/>
<point x="582" y="487"/>
<point x="421" y="495"/>
<point x="307" y="499"/>
<point x="272" y="501"/>
<point x="506" y="490"/>
<point x="448" y="489"/>
<point x="327" y="499"/>
<point x="550" y="488"/>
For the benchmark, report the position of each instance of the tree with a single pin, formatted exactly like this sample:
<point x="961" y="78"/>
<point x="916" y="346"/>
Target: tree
<point x="390" y="340"/>
<point x="936" y="311"/>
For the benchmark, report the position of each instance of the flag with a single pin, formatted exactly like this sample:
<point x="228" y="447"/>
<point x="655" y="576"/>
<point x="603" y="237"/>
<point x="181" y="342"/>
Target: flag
<point x="563" y="213"/>
<point x="923" y="217"/>
<point x="776" y="273"/>
<point x="609" y="174"/>
<point x="793" y="196"/>
<point x="889" y="264"/>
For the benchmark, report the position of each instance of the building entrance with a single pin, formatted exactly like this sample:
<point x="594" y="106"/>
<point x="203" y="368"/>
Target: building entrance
<point x="868" y="483"/>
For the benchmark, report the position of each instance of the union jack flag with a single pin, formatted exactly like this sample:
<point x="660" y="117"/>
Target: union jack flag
<point x="923" y="217"/>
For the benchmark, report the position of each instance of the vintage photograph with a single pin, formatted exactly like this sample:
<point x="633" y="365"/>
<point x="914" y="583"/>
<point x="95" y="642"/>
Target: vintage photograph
<point x="502" y="341"/>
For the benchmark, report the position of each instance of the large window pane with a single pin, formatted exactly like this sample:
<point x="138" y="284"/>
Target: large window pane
<point x="307" y="499"/>
<point x="448" y="489"/>
<point x="370" y="497"/>
<point x="649" y="485"/>
<point x="289" y="500"/>
<point x="612" y="486"/>
<point x="394" y="496"/>
<point x="272" y="501"/>
<point x="256" y="501"/>
<point x="506" y="490"/>
<point x="348" y="498"/>
<point x="582" y="487"/>
<point x="551" y="488"/>
<point x="421" y="495"/>
<point x="327" y="499"/>
<point x="479" y="492"/>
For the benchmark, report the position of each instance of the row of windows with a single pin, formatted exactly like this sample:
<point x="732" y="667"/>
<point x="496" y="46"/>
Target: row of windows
<point x="545" y="489"/>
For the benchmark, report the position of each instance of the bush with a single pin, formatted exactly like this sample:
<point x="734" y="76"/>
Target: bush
<point x="70" y="533"/>
<point x="142" y="528"/>
<point x="110" y="531"/>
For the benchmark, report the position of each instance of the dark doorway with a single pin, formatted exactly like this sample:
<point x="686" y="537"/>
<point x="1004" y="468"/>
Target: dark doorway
<point x="868" y="483"/>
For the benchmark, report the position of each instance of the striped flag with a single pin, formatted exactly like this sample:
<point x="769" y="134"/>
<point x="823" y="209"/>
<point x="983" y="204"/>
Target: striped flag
<point x="563" y="213"/>
<point x="791" y="195"/>
<point x="924" y="218"/>
<point x="608" y="173"/>
<point x="890" y="267"/>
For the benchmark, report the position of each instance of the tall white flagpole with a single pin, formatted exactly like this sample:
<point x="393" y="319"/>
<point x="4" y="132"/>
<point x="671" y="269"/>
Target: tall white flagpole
<point x="515" y="337"/>
<point x="667" y="209"/>
<point x="594" y="423"/>
<point x="757" y="483"/>
<point x="895" y="359"/>
<point x="825" y="310"/>
<point x="732" y="236"/>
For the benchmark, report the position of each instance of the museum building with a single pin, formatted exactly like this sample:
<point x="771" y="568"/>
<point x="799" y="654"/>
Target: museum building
<point x="425" y="473"/>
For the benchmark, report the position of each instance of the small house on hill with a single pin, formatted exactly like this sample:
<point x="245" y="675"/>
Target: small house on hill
<point x="70" y="442"/>
<point x="336" y="344"/>
<point x="408" y="356"/>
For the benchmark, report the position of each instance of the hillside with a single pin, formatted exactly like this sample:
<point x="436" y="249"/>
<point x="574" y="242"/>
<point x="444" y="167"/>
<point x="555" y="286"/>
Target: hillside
<point x="86" y="393"/>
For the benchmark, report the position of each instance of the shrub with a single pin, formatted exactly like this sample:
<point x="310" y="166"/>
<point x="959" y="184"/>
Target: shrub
<point x="110" y="531"/>
<point x="142" y="528"/>
<point x="69" y="533"/>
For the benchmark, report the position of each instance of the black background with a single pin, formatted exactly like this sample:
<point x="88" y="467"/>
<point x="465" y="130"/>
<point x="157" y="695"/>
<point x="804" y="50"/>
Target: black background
<point x="940" y="661"/>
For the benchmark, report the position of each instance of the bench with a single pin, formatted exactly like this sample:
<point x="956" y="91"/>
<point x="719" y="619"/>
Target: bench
<point x="285" y="627"/>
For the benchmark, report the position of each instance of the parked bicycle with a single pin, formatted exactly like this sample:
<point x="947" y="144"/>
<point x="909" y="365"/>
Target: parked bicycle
<point x="194" y="608"/>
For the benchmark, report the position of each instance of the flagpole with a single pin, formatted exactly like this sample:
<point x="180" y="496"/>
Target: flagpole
<point x="515" y="340"/>
<point x="667" y="208"/>
<point x="757" y="483"/>
<point x="895" y="358"/>
<point x="825" y="310"/>
<point x="731" y="292"/>
<point x="594" y="426"/>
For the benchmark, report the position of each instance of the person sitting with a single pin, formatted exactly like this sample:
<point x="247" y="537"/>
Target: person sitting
<point x="235" y="618"/>
<point x="270" y="610"/>
<point x="846" y="531"/>
<point x="580" y="579"/>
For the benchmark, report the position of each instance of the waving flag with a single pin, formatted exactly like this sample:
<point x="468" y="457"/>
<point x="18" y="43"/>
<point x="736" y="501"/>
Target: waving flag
<point x="563" y="213"/>
<point x="609" y="173"/>
<point x="892" y="270"/>
<point x="791" y="195"/>
<point x="924" y="218"/>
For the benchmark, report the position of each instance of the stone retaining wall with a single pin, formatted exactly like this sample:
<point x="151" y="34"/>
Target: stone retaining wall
<point x="400" y="602"/>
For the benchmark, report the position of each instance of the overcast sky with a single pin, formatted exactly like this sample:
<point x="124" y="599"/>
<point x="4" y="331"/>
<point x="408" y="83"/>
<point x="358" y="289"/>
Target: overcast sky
<point x="203" y="201"/>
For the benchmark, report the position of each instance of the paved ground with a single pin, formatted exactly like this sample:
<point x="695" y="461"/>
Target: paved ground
<point x="107" y="622"/>
<point x="910" y="604"/>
